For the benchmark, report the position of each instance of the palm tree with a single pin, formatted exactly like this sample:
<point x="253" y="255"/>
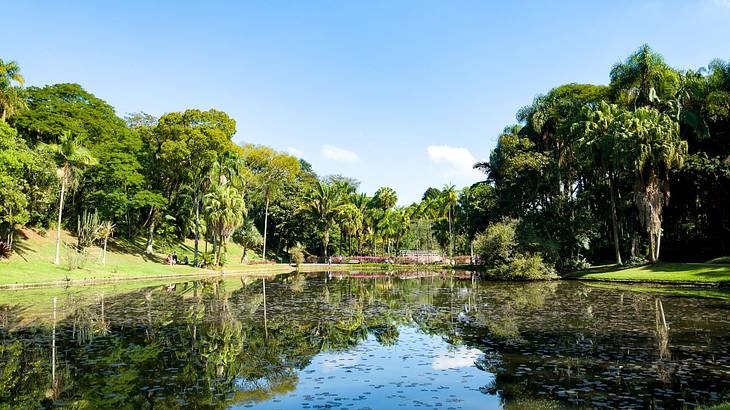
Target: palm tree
<point x="654" y="147"/>
<point x="644" y="78"/>
<point x="323" y="204"/>
<point x="450" y="197"/>
<point x="104" y="232"/>
<point x="602" y="131"/>
<point x="385" y="198"/>
<point x="350" y="218"/>
<point x="71" y="156"/>
<point x="226" y="210"/>
<point x="11" y="98"/>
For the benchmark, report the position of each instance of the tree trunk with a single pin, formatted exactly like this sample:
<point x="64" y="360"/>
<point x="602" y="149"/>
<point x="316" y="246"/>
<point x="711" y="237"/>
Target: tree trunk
<point x="197" y="230"/>
<point x="451" y="235"/>
<point x="60" y="214"/>
<point x="150" y="239"/>
<point x="103" y="258"/>
<point x="614" y="220"/>
<point x="266" y="225"/>
<point x="245" y="249"/>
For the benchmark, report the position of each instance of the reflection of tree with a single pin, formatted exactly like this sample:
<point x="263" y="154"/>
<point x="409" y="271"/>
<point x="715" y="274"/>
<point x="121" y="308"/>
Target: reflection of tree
<point x="206" y="345"/>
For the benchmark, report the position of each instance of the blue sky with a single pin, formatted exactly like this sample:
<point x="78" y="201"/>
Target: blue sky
<point x="399" y="93"/>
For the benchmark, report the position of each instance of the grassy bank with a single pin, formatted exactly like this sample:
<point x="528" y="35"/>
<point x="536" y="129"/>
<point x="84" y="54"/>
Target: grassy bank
<point x="32" y="262"/>
<point x="692" y="273"/>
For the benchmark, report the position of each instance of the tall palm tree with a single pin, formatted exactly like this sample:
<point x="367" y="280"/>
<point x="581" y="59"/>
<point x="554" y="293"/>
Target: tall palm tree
<point x="226" y="210"/>
<point x="71" y="156"/>
<point x="350" y="218"/>
<point x="384" y="199"/>
<point x="601" y="133"/>
<point x="11" y="97"/>
<point x="645" y="78"/>
<point x="449" y="198"/>
<point x="323" y="204"/>
<point x="654" y="147"/>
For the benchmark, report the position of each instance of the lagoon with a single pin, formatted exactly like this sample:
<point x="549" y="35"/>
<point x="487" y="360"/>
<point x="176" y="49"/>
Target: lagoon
<point x="364" y="340"/>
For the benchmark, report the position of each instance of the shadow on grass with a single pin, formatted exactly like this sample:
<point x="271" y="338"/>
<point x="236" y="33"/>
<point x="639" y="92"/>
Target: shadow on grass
<point x="20" y="246"/>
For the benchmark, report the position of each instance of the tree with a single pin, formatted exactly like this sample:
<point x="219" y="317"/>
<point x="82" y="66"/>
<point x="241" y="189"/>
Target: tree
<point x="351" y="219"/>
<point x="225" y="210"/>
<point x="105" y="231"/>
<point x="11" y="96"/>
<point x="602" y="130"/>
<point x="323" y="204"/>
<point x="450" y="198"/>
<point x="272" y="170"/>
<point x="654" y="147"/>
<point x="71" y="157"/>
<point x="644" y="79"/>
<point x="384" y="199"/>
<point x="13" y="199"/>
<point x="248" y="236"/>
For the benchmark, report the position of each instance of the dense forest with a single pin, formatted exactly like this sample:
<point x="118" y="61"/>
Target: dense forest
<point x="629" y="172"/>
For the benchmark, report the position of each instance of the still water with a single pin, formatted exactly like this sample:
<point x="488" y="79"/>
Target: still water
<point x="359" y="341"/>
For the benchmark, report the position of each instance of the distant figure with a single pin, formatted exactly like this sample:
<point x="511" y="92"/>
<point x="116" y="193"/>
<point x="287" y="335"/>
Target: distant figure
<point x="170" y="288"/>
<point x="186" y="260"/>
<point x="169" y="259"/>
<point x="329" y="260"/>
<point x="174" y="258"/>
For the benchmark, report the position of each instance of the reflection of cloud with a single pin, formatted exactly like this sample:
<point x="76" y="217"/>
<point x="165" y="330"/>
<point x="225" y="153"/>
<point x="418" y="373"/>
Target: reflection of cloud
<point x="338" y="154"/>
<point x="338" y="361"/>
<point x="458" y="161"/>
<point x="455" y="359"/>
<point x="295" y="151"/>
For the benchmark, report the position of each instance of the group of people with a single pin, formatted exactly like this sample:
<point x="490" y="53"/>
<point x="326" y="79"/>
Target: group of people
<point x="172" y="259"/>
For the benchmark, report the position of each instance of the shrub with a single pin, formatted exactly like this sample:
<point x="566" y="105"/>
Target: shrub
<point x="498" y="249"/>
<point x="312" y="259"/>
<point x="498" y="243"/>
<point x="5" y="250"/>
<point x="296" y="255"/>
<point x="525" y="267"/>
<point x="207" y="260"/>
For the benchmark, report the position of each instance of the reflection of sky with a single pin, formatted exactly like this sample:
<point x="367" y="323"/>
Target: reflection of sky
<point x="455" y="358"/>
<point x="419" y="371"/>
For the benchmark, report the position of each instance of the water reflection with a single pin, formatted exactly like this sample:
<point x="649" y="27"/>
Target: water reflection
<point x="309" y="340"/>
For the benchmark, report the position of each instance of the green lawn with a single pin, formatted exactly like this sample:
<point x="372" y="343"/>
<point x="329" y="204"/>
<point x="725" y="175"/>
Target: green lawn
<point x="32" y="262"/>
<point x="661" y="272"/>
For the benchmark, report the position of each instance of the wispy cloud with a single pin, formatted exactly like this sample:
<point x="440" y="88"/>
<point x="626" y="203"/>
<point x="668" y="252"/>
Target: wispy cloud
<point x="459" y="162"/>
<point x="295" y="151"/>
<point x="338" y="154"/>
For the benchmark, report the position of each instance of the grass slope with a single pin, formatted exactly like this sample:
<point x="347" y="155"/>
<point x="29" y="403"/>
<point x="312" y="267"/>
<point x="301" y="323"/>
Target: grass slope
<point x="660" y="272"/>
<point x="32" y="261"/>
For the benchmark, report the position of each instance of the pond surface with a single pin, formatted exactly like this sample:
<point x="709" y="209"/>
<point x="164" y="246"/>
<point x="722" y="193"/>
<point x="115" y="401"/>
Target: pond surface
<point x="355" y="341"/>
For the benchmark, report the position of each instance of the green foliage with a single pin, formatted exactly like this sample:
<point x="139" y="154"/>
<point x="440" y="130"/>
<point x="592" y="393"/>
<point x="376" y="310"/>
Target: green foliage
<point x="500" y="251"/>
<point x="296" y="255"/>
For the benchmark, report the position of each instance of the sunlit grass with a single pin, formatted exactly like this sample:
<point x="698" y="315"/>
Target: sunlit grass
<point x="660" y="272"/>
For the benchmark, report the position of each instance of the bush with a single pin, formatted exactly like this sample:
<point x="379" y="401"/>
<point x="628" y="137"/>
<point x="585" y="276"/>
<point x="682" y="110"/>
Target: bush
<point x="525" y="267"/>
<point x="5" y="250"/>
<point x="498" y="243"/>
<point x="296" y="255"/>
<point x="312" y="259"/>
<point x="497" y="248"/>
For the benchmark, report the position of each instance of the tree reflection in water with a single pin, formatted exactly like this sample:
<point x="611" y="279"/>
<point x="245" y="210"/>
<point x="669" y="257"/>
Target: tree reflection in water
<point x="215" y="343"/>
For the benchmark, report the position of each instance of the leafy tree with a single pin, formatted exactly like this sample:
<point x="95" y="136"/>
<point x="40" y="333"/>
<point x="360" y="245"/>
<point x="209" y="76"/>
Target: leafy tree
<point x="323" y="204"/>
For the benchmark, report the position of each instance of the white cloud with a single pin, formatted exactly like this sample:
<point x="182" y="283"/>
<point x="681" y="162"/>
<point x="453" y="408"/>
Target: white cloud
<point x="338" y="154"/>
<point x="455" y="359"/>
<point x="295" y="151"/>
<point x="459" y="162"/>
